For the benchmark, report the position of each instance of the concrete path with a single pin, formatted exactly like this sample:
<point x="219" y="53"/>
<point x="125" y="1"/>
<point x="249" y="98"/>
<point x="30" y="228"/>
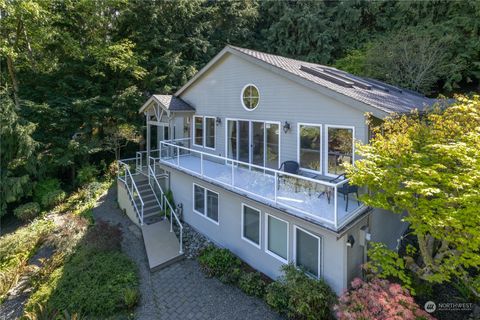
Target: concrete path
<point x="180" y="291"/>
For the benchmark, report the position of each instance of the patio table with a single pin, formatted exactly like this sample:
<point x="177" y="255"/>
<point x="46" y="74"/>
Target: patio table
<point x="324" y="190"/>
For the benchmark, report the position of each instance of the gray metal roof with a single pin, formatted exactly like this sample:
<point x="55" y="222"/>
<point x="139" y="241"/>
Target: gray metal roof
<point x="375" y="93"/>
<point x="173" y="103"/>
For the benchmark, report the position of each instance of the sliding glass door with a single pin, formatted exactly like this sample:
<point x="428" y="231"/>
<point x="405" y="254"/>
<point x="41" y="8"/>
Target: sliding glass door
<point x="255" y="142"/>
<point x="272" y="145"/>
<point x="243" y="141"/>
<point x="258" y="143"/>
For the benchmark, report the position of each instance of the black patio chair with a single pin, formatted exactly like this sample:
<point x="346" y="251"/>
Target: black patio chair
<point x="290" y="166"/>
<point x="346" y="189"/>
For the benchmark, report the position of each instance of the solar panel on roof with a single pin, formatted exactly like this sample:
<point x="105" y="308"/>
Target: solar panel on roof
<point x="329" y="77"/>
<point x="384" y="86"/>
<point x="356" y="81"/>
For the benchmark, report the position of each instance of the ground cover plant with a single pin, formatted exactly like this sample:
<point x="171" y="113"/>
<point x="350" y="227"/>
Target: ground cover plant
<point x="88" y="275"/>
<point x="17" y="248"/>
<point x="93" y="283"/>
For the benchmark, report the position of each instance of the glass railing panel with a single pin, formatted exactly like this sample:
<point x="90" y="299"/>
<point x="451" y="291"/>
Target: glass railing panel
<point x="216" y="169"/>
<point x="308" y="196"/>
<point x="189" y="160"/>
<point x="255" y="181"/>
<point x="348" y="201"/>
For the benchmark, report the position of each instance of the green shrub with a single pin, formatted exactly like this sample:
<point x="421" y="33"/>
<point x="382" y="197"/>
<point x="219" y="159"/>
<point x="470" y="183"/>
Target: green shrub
<point x="169" y="196"/>
<point x="48" y="193"/>
<point x="52" y="198"/>
<point x="27" y="211"/>
<point x="130" y="297"/>
<point x="252" y="284"/>
<point x="43" y="187"/>
<point x="277" y="297"/>
<point x="93" y="283"/>
<point x="86" y="174"/>
<point x="220" y="263"/>
<point x="299" y="296"/>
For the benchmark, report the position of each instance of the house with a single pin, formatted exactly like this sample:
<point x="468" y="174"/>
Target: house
<point x="228" y="144"/>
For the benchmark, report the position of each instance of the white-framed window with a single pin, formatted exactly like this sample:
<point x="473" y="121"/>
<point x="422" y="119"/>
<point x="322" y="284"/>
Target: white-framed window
<point x="339" y="148"/>
<point x="276" y="237"/>
<point x="204" y="131"/>
<point x="205" y="202"/>
<point x="309" y="146"/>
<point x="307" y="251"/>
<point x="198" y="131"/>
<point x="250" y="97"/>
<point x="251" y="225"/>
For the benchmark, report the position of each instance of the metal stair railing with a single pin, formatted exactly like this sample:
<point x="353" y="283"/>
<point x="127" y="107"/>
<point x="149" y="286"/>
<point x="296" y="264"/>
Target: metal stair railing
<point x="131" y="186"/>
<point x="141" y="160"/>
<point x="163" y="201"/>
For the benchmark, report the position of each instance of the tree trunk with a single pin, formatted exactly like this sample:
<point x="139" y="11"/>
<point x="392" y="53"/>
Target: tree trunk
<point x="425" y="252"/>
<point x="13" y="79"/>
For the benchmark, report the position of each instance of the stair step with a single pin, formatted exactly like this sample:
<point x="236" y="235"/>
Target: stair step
<point x="153" y="214"/>
<point x="147" y="201"/>
<point x="148" y="196"/>
<point x="154" y="210"/>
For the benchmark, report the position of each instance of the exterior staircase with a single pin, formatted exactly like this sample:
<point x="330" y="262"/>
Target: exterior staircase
<point x="152" y="212"/>
<point x="161" y="242"/>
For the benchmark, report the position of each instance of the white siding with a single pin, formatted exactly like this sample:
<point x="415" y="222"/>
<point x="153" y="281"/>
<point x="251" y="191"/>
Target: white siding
<point x="218" y="92"/>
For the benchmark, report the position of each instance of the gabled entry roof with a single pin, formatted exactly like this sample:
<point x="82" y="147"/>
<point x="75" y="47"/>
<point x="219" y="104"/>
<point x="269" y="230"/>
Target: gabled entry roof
<point x="338" y="84"/>
<point x="167" y="102"/>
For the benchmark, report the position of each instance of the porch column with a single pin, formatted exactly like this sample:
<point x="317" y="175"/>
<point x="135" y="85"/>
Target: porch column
<point x="159" y="136"/>
<point x="148" y="137"/>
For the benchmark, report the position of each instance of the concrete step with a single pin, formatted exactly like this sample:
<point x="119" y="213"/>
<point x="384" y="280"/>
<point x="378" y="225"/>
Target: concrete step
<point x="161" y="245"/>
<point x="146" y="197"/>
<point x="145" y="186"/>
<point x="154" y="218"/>
<point x="147" y="202"/>
<point x="152" y="209"/>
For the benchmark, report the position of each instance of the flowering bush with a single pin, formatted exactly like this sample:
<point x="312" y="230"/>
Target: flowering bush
<point x="380" y="300"/>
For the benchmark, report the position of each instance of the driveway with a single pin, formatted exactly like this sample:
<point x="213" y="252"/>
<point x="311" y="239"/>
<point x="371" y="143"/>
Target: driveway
<point x="180" y="291"/>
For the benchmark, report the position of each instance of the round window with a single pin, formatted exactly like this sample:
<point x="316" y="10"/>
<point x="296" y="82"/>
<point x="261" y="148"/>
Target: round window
<point x="250" y="97"/>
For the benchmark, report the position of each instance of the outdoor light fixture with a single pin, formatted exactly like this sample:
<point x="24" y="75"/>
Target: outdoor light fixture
<point x="218" y="121"/>
<point x="350" y="241"/>
<point x="286" y="127"/>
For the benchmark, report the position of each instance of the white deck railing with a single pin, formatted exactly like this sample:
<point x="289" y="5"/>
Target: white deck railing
<point x="125" y="175"/>
<point x="314" y="197"/>
<point x="163" y="201"/>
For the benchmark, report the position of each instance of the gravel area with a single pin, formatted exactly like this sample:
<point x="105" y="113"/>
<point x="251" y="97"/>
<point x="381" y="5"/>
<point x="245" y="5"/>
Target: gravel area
<point x="180" y="291"/>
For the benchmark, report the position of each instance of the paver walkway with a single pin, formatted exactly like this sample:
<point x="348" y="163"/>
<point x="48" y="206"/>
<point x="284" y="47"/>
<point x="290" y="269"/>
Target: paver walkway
<point x="180" y="291"/>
